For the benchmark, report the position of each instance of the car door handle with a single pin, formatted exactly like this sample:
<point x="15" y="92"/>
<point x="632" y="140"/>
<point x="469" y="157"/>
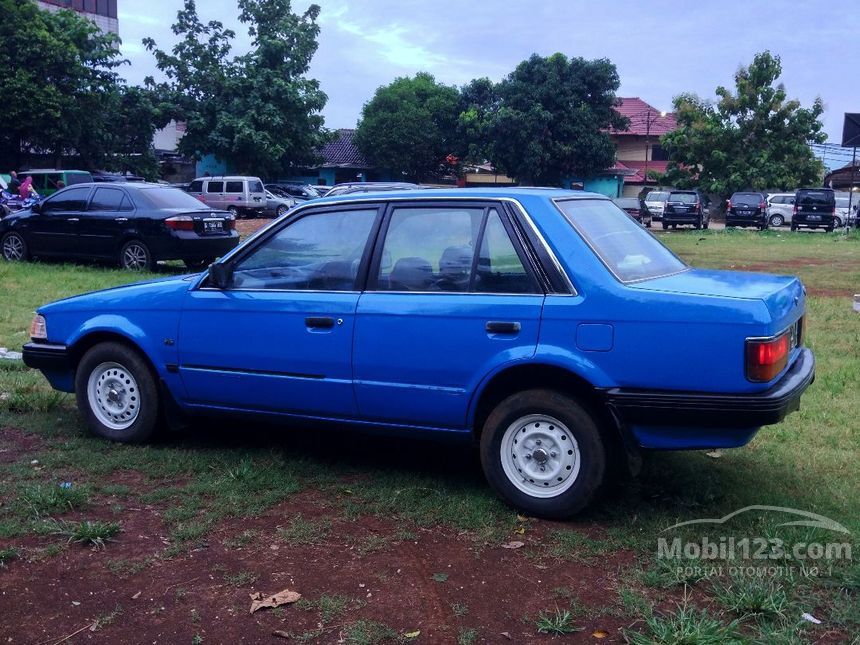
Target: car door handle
<point x="73" y="219"/>
<point x="121" y="220"/>
<point x="319" y="322"/>
<point x="502" y="327"/>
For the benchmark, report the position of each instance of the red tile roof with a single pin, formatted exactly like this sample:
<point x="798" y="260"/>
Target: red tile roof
<point x="640" y="113"/>
<point x="639" y="167"/>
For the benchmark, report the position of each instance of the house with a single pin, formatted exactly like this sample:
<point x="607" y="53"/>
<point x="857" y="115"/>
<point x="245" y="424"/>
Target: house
<point x="101" y="12"/>
<point x="638" y="147"/>
<point x="342" y="162"/>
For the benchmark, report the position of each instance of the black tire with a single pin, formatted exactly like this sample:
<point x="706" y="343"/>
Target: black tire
<point x="146" y="392"/>
<point x="14" y="247"/>
<point x="698" y="224"/>
<point x="136" y="256"/>
<point x="580" y="424"/>
<point x="648" y="224"/>
<point x="282" y="209"/>
<point x="706" y="224"/>
<point x="777" y="220"/>
<point x="198" y="265"/>
<point x="837" y="222"/>
<point x="829" y="229"/>
<point x="665" y="226"/>
<point x="234" y="212"/>
<point x="793" y="227"/>
<point x="674" y="227"/>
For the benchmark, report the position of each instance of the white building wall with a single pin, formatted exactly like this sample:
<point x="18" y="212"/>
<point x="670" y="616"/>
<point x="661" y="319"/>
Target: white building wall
<point x="104" y="23"/>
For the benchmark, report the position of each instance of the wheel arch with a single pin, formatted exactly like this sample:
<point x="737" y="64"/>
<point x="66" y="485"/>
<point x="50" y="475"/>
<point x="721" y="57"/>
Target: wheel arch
<point x="90" y="339"/>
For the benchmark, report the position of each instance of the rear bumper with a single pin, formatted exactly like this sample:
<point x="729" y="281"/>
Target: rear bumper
<point x="681" y="218"/>
<point x="731" y="413"/>
<point x="748" y="220"/>
<point x="182" y="245"/>
<point x="803" y="220"/>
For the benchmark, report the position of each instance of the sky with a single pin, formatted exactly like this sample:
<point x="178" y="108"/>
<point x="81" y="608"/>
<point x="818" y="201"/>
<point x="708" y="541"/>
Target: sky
<point x="661" y="48"/>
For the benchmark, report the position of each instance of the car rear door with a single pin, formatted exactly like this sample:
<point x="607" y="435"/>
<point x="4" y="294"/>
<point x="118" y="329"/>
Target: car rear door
<point x="213" y="194"/>
<point x="101" y="227"/>
<point x="54" y="230"/>
<point x="450" y="297"/>
<point x="280" y="337"/>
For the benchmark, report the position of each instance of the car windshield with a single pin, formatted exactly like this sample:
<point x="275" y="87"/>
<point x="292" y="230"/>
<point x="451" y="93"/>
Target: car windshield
<point x="683" y="198"/>
<point x="169" y="197"/>
<point x="624" y="246"/>
<point x="746" y="199"/>
<point x="657" y="196"/>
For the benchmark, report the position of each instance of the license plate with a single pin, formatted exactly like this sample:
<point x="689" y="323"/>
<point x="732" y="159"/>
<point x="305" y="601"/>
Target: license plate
<point x="213" y="226"/>
<point x="814" y="218"/>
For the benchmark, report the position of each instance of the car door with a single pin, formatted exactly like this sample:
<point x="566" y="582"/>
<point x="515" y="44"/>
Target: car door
<point x="54" y="230"/>
<point x="214" y="194"/>
<point x="279" y="338"/>
<point x="101" y="226"/>
<point x="450" y="297"/>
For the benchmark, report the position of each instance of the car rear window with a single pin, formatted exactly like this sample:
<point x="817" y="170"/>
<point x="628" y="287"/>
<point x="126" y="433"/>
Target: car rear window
<point x="656" y="196"/>
<point x="172" y="198"/>
<point x="627" y="202"/>
<point x="814" y="198"/>
<point x="747" y="199"/>
<point x="683" y="198"/>
<point x="627" y="250"/>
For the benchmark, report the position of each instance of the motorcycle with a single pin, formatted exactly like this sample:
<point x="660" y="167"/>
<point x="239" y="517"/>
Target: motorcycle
<point x="11" y="203"/>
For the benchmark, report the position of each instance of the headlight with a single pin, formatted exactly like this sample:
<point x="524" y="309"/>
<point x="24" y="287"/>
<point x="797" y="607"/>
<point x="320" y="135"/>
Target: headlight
<point x="39" y="328"/>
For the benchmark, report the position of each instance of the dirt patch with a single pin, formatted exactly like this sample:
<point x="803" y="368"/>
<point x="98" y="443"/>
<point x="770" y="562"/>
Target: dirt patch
<point x="247" y="227"/>
<point x="16" y="444"/>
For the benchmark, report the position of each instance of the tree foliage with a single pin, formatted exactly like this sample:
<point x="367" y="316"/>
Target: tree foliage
<point x="547" y="121"/>
<point x="752" y="139"/>
<point x="64" y="95"/>
<point x="257" y="111"/>
<point x="409" y="126"/>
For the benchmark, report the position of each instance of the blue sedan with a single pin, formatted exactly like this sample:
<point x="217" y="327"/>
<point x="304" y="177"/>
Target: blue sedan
<point x="521" y="319"/>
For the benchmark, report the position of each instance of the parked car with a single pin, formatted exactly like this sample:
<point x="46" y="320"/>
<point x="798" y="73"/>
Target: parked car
<point x="814" y="208"/>
<point x="522" y="319"/>
<point x="747" y="209"/>
<point x="780" y="207"/>
<point x="277" y="206"/>
<point x="47" y="182"/>
<point x="844" y="213"/>
<point x="108" y="177"/>
<point x="633" y="207"/>
<point x="655" y="202"/>
<point x="298" y="191"/>
<point x="241" y="196"/>
<point x="369" y="186"/>
<point x="132" y="224"/>
<point x="686" y="207"/>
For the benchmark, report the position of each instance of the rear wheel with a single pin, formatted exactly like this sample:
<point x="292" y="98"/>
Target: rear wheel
<point x="282" y="209"/>
<point x="14" y="247"/>
<point x="116" y="393"/>
<point x="793" y="227"/>
<point x="135" y="256"/>
<point x="837" y="222"/>
<point x="542" y="452"/>
<point x="665" y="226"/>
<point x="777" y="220"/>
<point x="698" y="224"/>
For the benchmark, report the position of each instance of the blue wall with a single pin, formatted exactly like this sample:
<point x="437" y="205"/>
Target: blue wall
<point x="611" y="185"/>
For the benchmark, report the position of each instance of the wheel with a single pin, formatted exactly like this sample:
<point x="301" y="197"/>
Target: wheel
<point x="828" y="229"/>
<point x="14" y="247"/>
<point x="699" y="223"/>
<point x="648" y="224"/>
<point x="233" y="211"/>
<point x="135" y="256"/>
<point x="793" y="227"/>
<point x="674" y="227"/>
<point x="837" y="222"/>
<point x="543" y="454"/>
<point x="116" y="393"/>
<point x="707" y="223"/>
<point x="777" y="220"/>
<point x="665" y="226"/>
<point x="198" y="265"/>
<point x="282" y="209"/>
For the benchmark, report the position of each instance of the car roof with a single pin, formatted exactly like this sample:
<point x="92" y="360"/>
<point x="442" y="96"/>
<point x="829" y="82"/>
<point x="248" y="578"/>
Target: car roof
<point x="467" y="193"/>
<point x="227" y="178"/>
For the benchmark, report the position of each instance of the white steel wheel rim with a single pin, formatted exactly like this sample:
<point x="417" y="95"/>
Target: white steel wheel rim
<point x="114" y="396"/>
<point x="134" y="256"/>
<point x="540" y="456"/>
<point x="13" y="247"/>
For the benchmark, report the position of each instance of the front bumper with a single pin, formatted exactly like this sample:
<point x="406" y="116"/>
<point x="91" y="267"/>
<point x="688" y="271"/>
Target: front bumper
<point x="711" y="411"/>
<point x="54" y="361"/>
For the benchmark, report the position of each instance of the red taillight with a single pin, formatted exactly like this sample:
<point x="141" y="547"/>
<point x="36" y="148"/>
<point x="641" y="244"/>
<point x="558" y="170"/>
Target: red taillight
<point x="762" y="206"/>
<point x="730" y="204"/>
<point x="230" y="223"/>
<point x="794" y="209"/>
<point x="767" y="357"/>
<point x="179" y="223"/>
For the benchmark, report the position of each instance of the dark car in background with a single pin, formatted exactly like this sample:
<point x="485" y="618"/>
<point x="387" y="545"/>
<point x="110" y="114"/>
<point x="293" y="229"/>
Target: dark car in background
<point x="686" y="207"/>
<point x="296" y="190"/>
<point x="635" y="209"/>
<point x="814" y="208"/>
<point x="133" y="224"/>
<point x="747" y="209"/>
<point x="370" y="186"/>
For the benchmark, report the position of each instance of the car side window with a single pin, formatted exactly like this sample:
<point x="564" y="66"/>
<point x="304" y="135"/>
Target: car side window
<point x="195" y="187"/>
<point x="106" y="199"/>
<point x="71" y="199"/>
<point x="233" y="187"/>
<point x="317" y="252"/>
<point x="215" y="187"/>
<point x="255" y="186"/>
<point x="500" y="269"/>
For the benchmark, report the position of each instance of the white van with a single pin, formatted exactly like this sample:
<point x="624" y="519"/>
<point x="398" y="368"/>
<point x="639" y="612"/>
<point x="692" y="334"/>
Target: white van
<point x="242" y="196"/>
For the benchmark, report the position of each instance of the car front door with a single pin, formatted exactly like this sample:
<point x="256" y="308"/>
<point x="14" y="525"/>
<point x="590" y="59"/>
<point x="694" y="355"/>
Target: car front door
<point x="450" y="297"/>
<point x="101" y="227"/>
<point x="54" y="230"/>
<point x="279" y="337"/>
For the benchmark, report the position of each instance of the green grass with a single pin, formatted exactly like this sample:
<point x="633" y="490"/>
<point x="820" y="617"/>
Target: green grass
<point x="88" y="533"/>
<point x="199" y="480"/>
<point x="7" y="555"/>
<point x="556" y="623"/>
<point x="685" y="625"/>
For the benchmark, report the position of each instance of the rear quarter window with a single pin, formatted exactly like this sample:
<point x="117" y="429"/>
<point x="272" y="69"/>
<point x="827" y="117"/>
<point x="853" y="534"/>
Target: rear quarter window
<point x="234" y="187"/>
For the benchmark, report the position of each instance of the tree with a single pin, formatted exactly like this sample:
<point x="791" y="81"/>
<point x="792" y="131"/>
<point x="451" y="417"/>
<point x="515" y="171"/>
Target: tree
<point x="753" y="139"/>
<point x="548" y="120"/>
<point x="409" y="126"/>
<point x="57" y="71"/>
<point x="258" y="111"/>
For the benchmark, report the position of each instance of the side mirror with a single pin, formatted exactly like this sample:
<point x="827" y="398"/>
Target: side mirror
<point x="36" y="208"/>
<point x="220" y="274"/>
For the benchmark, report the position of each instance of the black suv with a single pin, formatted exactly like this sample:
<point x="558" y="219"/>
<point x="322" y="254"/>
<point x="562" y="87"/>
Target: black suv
<point x="747" y="209"/>
<point x="814" y="208"/>
<point x="686" y="207"/>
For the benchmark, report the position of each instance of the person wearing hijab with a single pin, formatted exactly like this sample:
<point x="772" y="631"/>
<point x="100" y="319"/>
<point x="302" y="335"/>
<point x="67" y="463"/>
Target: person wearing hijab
<point x="26" y="187"/>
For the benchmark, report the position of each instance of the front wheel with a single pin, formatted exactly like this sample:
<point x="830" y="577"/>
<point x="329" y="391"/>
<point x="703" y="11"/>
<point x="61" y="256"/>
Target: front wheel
<point x="116" y="393"/>
<point x="542" y="453"/>
<point x="14" y="247"/>
<point x="135" y="256"/>
<point x="777" y="220"/>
